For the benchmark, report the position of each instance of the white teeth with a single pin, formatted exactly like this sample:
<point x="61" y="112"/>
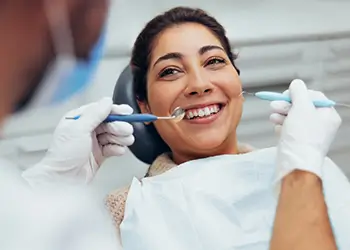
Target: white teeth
<point x="206" y="111"/>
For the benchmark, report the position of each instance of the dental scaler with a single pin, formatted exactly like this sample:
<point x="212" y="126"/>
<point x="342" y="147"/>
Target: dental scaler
<point x="274" y="96"/>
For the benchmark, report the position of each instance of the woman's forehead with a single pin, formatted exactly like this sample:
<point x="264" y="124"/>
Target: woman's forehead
<point x="186" y="39"/>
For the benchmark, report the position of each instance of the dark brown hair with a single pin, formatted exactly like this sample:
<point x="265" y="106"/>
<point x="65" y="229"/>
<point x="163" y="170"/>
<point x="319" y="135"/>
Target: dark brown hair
<point x="144" y="42"/>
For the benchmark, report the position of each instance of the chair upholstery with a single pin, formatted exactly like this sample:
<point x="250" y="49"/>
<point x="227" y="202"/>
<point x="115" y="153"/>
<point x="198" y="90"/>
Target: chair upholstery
<point x="148" y="144"/>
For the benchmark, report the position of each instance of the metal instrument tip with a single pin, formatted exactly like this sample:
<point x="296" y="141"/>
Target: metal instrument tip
<point x="245" y="92"/>
<point x="343" y="105"/>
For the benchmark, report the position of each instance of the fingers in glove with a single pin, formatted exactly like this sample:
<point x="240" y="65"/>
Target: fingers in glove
<point x="317" y="95"/>
<point x="74" y="126"/>
<point x="104" y="139"/>
<point x="329" y="112"/>
<point x="113" y="150"/>
<point x="122" y="109"/>
<point x="115" y="128"/>
<point x="95" y="114"/>
<point x="78" y="111"/>
<point x="277" y="119"/>
<point x="286" y="92"/>
<point x="300" y="96"/>
<point x="281" y="107"/>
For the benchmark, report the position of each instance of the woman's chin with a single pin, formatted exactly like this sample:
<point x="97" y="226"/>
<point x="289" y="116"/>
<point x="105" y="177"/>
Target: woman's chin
<point x="207" y="144"/>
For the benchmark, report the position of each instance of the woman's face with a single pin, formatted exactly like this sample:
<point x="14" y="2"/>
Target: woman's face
<point x="190" y="69"/>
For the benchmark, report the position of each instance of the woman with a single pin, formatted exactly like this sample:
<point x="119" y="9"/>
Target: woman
<point x="182" y="58"/>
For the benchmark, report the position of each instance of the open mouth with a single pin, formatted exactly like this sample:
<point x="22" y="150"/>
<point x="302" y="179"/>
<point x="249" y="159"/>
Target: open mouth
<point x="204" y="112"/>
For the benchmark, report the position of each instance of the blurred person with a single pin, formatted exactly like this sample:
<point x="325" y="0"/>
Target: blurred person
<point x="49" y="51"/>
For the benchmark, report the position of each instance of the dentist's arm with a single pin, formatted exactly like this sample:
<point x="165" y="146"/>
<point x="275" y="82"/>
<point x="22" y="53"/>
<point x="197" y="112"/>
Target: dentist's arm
<point x="302" y="221"/>
<point x="79" y="147"/>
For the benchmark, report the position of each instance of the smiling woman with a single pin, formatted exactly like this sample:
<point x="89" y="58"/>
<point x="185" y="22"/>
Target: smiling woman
<point x="182" y="58"/>
<point x="189" y="64"/>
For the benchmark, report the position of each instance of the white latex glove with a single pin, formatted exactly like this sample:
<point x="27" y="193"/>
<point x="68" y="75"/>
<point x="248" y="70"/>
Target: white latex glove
<point x="79" y="147"/>
<point x="307" y="132"/>
<point x="279" y="111"/>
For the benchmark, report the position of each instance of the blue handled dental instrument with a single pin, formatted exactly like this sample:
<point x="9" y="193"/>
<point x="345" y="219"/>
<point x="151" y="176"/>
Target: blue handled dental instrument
<point x="275" y="96"/>
<point x="177" y="115"/>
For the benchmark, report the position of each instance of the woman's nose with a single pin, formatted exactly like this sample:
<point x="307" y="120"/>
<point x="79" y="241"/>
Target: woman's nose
<point x="198" y="87"/>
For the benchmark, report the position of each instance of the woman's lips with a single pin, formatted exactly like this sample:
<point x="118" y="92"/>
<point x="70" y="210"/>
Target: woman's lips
<point x="204" y="115"/>
<point x="201" y="112"/>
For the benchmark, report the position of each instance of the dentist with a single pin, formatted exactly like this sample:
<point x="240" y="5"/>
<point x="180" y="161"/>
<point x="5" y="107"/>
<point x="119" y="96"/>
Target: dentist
<point x="57" y="60"/>
<point x="49" y="51"/>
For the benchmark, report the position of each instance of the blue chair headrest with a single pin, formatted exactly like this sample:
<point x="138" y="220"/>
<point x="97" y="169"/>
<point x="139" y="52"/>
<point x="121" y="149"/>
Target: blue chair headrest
<point x="148" y="144"/>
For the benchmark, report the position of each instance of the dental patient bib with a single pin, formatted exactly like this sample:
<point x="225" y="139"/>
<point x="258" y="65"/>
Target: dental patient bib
<point x="219" y="203"/>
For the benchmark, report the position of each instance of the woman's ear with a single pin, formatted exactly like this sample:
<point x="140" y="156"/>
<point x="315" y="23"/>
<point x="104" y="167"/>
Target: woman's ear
<point x="144" y="108"/>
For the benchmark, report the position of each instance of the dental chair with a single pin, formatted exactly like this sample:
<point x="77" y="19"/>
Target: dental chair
<point x="148" y="144"/>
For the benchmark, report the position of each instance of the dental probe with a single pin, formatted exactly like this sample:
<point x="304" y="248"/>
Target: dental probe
<point x="176" y="116"/>
<point x="275" y="96"/>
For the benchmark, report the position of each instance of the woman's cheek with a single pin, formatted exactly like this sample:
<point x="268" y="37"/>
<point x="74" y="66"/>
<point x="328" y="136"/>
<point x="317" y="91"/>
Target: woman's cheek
<point x="160" y="101"/>
<point x="164" y="95"/>
<point x="229" y="85"/>
<point x="232" y="85"/>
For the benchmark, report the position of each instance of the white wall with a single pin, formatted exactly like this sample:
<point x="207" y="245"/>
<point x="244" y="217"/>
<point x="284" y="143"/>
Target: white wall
<point x="277" y="41"/>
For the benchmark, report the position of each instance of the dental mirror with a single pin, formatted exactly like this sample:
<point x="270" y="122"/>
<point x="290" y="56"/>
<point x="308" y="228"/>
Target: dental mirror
<point x="177" y="115"/>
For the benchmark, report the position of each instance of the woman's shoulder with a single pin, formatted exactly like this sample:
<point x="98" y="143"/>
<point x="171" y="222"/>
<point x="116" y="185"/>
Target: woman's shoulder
<point x="160" y="165"/>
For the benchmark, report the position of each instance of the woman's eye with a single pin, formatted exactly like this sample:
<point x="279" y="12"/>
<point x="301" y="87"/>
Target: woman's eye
<point x="168" y="71"/>
<point x="216" y="61"/>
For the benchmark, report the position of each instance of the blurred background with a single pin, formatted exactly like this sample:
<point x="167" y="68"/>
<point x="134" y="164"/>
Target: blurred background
<point x="277" y="41"/>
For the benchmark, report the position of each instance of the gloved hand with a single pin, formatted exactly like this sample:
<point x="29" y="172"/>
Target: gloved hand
<point x="79" y="147"/>
<point x="279" y="111"/>
<point x="307" y="132"/>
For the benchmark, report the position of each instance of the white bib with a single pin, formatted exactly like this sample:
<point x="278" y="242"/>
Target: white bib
<point x="217" y="203"/>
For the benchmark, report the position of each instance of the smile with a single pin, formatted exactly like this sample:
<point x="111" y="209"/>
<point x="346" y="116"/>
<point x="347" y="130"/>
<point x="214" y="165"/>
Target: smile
<point x="204" y="114"/>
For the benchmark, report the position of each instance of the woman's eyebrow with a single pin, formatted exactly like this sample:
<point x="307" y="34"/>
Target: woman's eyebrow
<point x="207" y="48"/>
<point x="179" y="56"/>
<point x="172" y="55"/>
